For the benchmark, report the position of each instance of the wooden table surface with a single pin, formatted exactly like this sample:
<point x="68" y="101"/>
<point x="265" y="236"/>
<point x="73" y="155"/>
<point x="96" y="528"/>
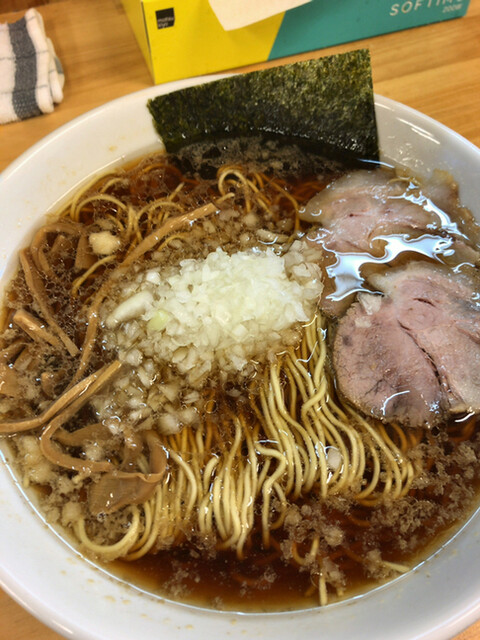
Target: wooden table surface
<point x="435" y="69"/>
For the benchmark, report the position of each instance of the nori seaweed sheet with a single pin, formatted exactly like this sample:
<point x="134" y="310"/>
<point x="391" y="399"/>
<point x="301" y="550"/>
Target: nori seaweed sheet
<point x="326" y="105"/>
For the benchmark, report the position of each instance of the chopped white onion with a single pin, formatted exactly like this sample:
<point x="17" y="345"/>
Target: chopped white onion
<point x="104" y="243"/>
<point x="224" y="308"/>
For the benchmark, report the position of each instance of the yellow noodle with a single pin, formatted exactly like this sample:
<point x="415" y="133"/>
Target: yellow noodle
<point x="77" y="283"/>
<point x="110" y="551"/>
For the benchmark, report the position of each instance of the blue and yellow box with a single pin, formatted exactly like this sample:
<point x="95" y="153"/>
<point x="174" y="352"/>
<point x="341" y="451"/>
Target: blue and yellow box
<point x="185" y="38"/>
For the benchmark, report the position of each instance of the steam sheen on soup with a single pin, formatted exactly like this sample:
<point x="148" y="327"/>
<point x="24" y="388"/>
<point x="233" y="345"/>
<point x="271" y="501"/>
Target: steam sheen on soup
<point x="247" y="377"/>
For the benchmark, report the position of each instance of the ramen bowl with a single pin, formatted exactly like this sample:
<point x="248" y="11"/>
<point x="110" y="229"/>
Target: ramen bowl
<point x="55" y="583"/>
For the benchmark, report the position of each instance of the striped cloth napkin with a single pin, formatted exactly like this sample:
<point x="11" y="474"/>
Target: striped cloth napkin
<point x="31" y="76"/>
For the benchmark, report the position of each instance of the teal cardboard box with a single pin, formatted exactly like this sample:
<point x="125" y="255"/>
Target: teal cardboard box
<point x="324" y="23"/>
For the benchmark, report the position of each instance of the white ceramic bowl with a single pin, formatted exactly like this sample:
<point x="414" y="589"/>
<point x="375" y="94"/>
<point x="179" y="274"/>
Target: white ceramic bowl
<point x="51" y="580"/>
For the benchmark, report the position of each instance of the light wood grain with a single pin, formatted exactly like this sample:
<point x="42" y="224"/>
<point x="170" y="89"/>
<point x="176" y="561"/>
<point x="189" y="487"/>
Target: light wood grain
<point x="435" y="69"/>
<point x="22" y="5"/>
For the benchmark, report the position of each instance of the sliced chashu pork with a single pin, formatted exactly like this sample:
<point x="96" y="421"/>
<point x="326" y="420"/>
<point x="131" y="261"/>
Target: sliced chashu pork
<point x="380" y="369"/>
<point x="368" y="218"/>
<point x="412" y="354"/>
<point x="360" y="206"/>
<point x="440" y="309"/>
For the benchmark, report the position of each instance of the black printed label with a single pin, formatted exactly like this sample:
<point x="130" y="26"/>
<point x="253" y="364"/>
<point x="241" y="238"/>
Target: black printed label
<point x="165" y="18"/>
